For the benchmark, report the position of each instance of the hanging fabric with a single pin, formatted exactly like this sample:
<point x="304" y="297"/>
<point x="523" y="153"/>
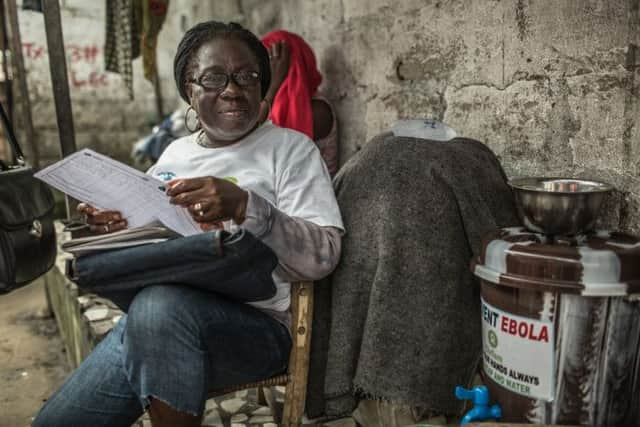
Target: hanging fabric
<point x="154" y="13"/>
<point x="122" y="38"/>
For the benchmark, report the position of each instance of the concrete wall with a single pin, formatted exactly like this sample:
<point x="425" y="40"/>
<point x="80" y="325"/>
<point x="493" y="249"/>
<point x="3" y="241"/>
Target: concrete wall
<point x="550" y="86"/>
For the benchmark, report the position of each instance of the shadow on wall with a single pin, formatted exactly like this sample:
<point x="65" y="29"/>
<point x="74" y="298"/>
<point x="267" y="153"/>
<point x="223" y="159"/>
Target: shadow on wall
<point x="340" y="86"/>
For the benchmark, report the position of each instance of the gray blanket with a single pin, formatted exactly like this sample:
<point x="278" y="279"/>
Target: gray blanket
<point x="400" y="318"/>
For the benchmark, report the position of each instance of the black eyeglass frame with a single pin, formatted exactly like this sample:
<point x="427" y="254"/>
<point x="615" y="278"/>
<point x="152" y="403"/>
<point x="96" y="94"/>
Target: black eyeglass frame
<point x="228" y="77"/>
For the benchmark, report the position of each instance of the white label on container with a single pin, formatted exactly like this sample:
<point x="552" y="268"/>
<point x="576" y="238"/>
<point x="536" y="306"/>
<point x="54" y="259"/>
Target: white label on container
<point x="518" y="352"/>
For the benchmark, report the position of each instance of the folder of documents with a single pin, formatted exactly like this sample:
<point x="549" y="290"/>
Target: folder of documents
<point x="118" y="240"/>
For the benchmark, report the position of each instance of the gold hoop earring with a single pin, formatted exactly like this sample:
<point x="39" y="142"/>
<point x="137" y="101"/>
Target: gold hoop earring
<point x="186" y="119"/>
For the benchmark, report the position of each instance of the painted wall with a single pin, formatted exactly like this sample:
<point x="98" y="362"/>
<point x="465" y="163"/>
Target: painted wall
<point x="550" y="86"/>
<point x="104" y="116"/>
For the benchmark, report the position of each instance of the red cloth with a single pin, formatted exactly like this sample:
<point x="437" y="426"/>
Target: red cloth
<point x="291" y="107"/>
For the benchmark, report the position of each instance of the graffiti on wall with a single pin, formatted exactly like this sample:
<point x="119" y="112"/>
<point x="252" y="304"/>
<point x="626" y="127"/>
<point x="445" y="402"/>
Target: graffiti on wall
<point x="83" y="61"/>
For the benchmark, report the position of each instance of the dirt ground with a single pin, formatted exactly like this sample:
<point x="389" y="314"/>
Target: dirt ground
<point x="32" y="359"/>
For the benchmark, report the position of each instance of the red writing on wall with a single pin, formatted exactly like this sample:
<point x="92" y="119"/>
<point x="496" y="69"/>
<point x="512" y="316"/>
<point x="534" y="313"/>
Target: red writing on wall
<point x="94" y="80"/>
<point x="32" y="51"/>
<point x="88" y="54"/>
<point x="76" y="54"/>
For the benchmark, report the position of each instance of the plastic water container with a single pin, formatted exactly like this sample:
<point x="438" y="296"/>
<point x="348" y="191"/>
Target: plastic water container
<point x="424" y="129"/>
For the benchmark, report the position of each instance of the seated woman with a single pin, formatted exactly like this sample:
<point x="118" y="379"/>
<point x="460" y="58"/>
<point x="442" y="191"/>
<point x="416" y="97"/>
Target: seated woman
<point x="293" y="94"/>
<point x="176" y="342"/>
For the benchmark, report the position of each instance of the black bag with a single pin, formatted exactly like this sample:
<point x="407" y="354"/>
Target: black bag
<point x="27" y="234"/>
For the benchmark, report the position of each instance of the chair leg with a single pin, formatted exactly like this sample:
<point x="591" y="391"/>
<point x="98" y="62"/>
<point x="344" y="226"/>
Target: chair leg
<point x="293" y="407"/>
<point x="272" y="402"/>
<point x="262" y="400"/>
<point x="296" y="391"/>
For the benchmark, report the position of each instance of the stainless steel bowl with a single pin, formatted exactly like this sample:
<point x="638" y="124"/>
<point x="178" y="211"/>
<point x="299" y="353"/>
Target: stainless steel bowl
<point x="558" y="205"/>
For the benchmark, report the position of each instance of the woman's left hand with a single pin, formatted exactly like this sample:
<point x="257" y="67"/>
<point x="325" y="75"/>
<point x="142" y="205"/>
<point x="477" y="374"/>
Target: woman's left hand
<point x="210" y="200"/>
<point x="279" y="59"/>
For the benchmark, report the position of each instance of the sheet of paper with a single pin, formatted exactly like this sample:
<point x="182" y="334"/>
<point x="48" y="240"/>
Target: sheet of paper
<point x="108" y="184"/>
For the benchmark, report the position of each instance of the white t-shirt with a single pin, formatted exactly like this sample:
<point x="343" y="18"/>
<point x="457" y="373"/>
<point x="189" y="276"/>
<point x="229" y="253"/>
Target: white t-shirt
<point x="282" y="166"/>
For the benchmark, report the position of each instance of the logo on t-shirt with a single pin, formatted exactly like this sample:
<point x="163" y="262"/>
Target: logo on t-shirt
<point x="166" y="176"/>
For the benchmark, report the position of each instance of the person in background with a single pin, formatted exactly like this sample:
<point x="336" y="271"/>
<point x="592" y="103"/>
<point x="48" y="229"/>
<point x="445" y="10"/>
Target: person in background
<point x="293" y="96"/>
<point x="176" y="343"/>
<point x="149" y="149"/>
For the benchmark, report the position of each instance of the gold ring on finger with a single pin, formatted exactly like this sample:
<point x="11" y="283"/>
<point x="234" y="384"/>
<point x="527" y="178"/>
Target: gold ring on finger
<point x="198" y="206"/>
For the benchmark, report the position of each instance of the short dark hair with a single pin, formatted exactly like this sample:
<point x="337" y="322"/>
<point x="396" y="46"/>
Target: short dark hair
<point x="207" y="31"/>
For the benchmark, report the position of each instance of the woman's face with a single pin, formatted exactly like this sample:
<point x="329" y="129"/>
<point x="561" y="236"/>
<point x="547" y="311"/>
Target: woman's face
<point x="230" y="112"/>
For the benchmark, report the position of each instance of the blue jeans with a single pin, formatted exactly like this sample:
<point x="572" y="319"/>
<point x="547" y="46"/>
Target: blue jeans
<point x="176" y="343"/>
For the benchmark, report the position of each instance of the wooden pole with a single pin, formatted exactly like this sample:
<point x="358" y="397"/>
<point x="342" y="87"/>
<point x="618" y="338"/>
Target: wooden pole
<point x="6" y="72"/>
<point x="59" y="78"/>
<point x="157" y="89"/>
<point x="5" y="95"/>
<point x="20" y="77"/>
<point x="60" y="84"/>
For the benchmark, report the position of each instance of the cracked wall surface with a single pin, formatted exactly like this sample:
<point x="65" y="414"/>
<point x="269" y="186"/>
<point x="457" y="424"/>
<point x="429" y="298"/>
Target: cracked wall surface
<point x="550" y="87"/>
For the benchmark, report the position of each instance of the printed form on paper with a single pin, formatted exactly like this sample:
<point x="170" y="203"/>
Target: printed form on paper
<point x="105" y="183"/>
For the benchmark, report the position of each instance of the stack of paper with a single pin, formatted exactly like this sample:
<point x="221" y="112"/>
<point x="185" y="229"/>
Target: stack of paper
<point x="118" y="240"/>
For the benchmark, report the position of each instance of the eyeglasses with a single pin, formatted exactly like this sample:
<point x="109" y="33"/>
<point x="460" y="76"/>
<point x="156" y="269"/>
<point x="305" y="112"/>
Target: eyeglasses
<point x="219" y="81"/>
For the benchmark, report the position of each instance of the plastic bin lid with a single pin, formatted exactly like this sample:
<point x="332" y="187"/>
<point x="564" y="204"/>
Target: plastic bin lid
<point x="598" y="264"/>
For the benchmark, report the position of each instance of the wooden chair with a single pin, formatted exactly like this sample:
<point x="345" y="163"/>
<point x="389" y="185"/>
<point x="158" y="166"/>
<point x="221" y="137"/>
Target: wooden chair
<point x="295" y="379"/>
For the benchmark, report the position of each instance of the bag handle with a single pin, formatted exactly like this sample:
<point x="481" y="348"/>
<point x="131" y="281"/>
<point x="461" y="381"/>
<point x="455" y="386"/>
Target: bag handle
<point x="17" y="151"/>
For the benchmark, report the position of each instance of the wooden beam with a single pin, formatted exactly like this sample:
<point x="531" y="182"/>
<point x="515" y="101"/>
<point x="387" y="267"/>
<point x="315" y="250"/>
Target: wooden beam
<point x="5" y="85"/>
<point x="60" y="84"/>
<point x="6" y="72"/>
<point x="157" y="89"/>
<point x="20" y="77"/>
<point x="59" y="78"/>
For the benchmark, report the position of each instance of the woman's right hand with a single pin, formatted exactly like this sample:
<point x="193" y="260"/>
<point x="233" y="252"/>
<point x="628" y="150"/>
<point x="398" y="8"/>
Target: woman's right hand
<point x="102" y="221"/>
